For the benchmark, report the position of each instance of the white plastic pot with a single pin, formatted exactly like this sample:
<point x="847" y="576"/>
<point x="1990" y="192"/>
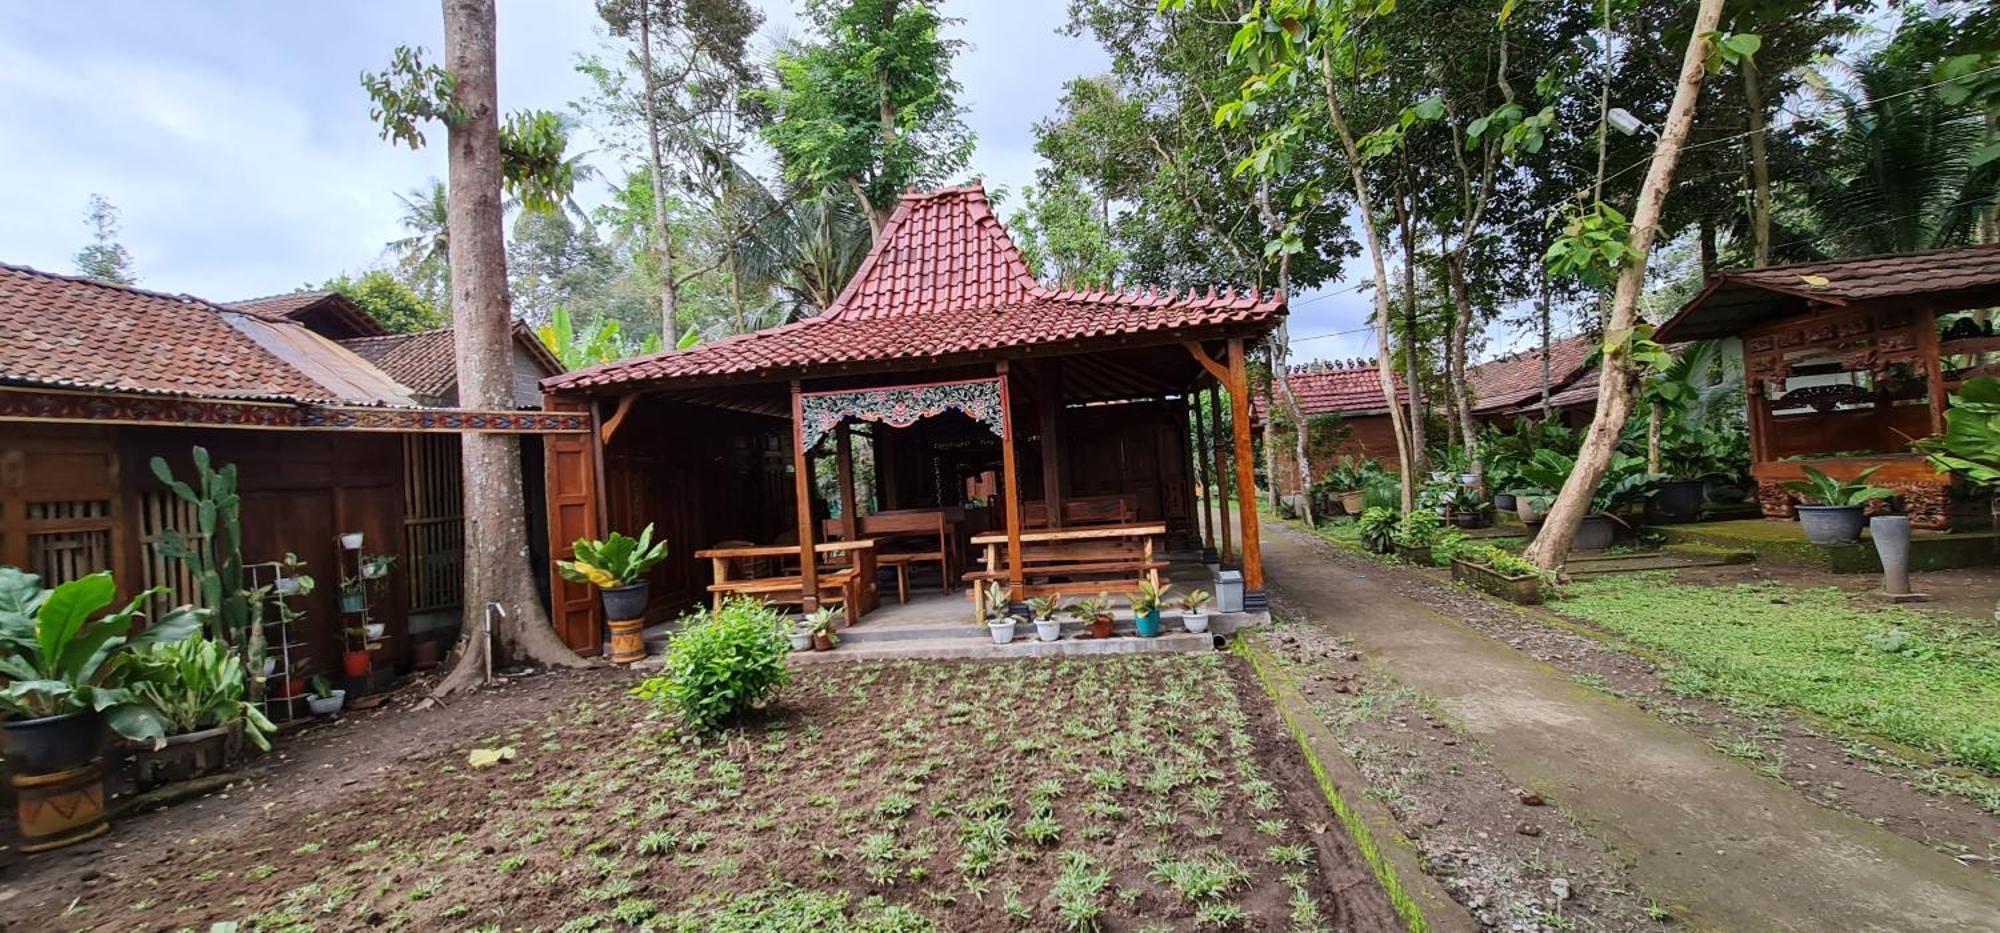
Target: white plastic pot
<point x="802" y="639"/>
<point x="1048" y="629"/>
<point x="1195" y="622"/>
<point x="375" y="630"/>
<point x="351" y="540"/>
<point x="327" y="705"/>
<point x="1002" y="631"/>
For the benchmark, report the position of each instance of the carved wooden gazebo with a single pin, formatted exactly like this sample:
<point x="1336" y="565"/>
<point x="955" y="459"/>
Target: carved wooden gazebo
<point x="1848" y="362"/>
<point x="944" y="380"/>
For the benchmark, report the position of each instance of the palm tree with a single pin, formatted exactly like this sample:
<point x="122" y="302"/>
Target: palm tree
<point x="808" y="251"/>
<point x="423" y="257"/>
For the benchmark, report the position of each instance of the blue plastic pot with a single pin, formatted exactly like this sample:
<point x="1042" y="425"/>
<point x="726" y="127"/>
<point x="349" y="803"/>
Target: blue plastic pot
<point x="1148" y="624"/>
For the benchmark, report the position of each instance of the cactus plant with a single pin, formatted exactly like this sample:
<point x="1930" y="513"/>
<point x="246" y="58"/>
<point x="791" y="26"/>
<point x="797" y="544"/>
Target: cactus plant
<point x="215" y="561"/>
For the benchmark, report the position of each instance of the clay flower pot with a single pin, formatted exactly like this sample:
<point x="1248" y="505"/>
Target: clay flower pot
<point x="1100" y="625"/>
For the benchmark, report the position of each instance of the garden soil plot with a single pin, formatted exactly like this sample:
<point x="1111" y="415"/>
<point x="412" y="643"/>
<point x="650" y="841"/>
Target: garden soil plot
<point x="1120" y="793"/>
<point x="1947" y="809"/>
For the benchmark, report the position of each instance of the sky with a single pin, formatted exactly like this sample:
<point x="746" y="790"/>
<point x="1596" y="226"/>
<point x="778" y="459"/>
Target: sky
<point x="234" y="138"/>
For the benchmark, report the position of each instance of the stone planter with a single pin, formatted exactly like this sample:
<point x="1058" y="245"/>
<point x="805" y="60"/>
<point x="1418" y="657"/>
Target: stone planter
<point x="185" y="756"/>
<point x="1420" y="556"/>
<point x="1680" y="500"/>
<point x="1523" y="590"/>
<point x="1595" y="533"/>
<point x="64" y="808"/>
<point x="1831" y="524"/>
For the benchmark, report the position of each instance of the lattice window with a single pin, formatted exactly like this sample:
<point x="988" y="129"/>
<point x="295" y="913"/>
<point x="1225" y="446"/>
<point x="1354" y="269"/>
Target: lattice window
<point x="67" y="540"/>
<point x="159" y="511"/>
<point x="434" y="521"/>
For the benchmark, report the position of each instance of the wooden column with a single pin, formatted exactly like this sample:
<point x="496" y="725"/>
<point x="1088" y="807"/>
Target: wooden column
<point x="850" y="519"/>
<point x="802" y="489"/>
<point x="1198" y="430"/>
<point x="1246" y="479"/>
<point x="1228" y="554"/>
<point x="1009" y="475"/>
<point x="1049" y="404"/>
<point x="1927" y="344"/>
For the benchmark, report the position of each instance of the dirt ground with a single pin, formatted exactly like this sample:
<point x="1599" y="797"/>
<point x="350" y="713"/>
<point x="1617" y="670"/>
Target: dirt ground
<point x="1157" y="793"/>
<point x="1889" y="787"/>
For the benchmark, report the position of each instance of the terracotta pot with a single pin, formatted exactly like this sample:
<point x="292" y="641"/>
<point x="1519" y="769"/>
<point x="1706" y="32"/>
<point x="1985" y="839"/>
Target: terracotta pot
<point x="1100" y="626"/>
<point x="355" y="663"/>
<point x="60" y="809"/>
<point x="628" y="640"/>
<point x="822" y="641"/>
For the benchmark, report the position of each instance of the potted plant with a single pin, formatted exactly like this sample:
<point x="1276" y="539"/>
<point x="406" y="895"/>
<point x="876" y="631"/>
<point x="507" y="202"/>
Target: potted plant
<point x="1415" y="534"/>
<point x="324" y="699"/>
<point x="802" y="634"/>
<point x="198" y="686"/>
<point x="1626" y="487"/>
<point x="1096" y="611"/>
<point x="377" y="566"/>
<point x="1146" y="608"/>
<point x="1043" y="610"/>
<point x="617" y="566"/>
<point x="1348" y="480"/>
<point x="1499" y="572"/>
<point x="350" y="540"/>
<point x="1466" y="508"/>
<point x="999" y="616"/>
<point x="1531" y="504"/>
<point x="352" y="597"/>
<point x="1378" y="529"/>
<point x="822" y="622"/>
<point x="1194" y="611"/>
<point x="63" y="679"/>
<point x="1832" y="509"/>
<point x="355" y="662"/>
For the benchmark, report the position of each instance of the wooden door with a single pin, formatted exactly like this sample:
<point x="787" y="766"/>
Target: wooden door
<point x="571" y="464"/>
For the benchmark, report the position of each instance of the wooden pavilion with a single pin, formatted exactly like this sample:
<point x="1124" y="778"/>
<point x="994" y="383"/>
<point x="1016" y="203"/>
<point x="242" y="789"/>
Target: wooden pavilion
<point x="946" y="402"/>
<point x="1848" y="362"/>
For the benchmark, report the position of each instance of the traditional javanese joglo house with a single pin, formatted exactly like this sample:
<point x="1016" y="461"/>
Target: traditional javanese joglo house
<point x="948" y="418"/>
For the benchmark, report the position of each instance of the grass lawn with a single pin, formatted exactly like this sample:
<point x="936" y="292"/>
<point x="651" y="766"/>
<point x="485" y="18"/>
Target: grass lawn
<point x="1925" y="681"/>
<point x="1130" y="793"/>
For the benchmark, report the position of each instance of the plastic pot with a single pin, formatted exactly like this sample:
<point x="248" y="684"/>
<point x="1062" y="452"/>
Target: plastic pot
<point x="1680" y="500"/>
<point x="1148" y="623"/>
<point x="1831" y="524"/>
<point x="1002" y="630"/>
<point x="355" y="663"/>
<point x="351" y="540"/>
<point x="327" y="705"/>
<point x="53" y="744"/>
<point x="1595" y="533"/>
<point x="1504" y="501"/>
<point x="802" y="639"/>
<point x="351" y="601"/>
<point x="626" y="602"/>
<point x="1195" y="622"/>
<point x="1048" y="629"/>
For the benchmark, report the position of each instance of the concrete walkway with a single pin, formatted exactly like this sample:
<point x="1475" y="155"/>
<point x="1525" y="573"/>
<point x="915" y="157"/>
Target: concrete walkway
<point x="1731" y="849"/>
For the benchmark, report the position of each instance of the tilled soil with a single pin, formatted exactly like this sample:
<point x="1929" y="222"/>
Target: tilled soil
<point x="1888" y="787"/>
<point x="1144" y="793"/>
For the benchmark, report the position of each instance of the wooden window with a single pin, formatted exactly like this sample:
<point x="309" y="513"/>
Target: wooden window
<point x="434" y="521"/>
<point x="160" y="511"/>
<point x="67" y="540"/>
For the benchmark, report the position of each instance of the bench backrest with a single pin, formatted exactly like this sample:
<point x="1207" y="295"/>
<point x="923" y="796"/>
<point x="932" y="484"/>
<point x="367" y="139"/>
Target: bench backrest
<point x="1085" y="510"/>
<point x="902" y="522"/>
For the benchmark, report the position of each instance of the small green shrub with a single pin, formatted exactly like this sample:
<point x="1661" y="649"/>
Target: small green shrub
<point x="721" y="664"/>
<point x="1418" y="529"/>
<point x="1378" y="528"/>
<point x="1500" y="561"/>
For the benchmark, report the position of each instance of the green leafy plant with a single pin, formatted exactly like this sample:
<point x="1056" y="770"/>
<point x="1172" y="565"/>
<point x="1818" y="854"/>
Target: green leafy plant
<point x="615" y="561"/>
<point x="1970" y="444"/>
<point x="1196" y="600"/>
<point x="999" y="602"/>
<point x="1820" y="489"/>
<point x="321" y="687"/>
<point x="1043" y="608"/>
<point x="722" y="664"/>
<point x="1500" y="561"/>
<point x="1418" y="529"/>
<point x="1149" y="597"/>
<point x="1378" y="528"/>
<point x="214" y="556"/>
<point x="56" y="660"/>
<point x="197" y="684"/>
<point x="1090" y="608"/>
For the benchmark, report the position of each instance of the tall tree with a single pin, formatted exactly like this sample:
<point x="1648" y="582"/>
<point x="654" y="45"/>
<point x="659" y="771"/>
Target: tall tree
<point x="104" y="258"/>
<point x="394" y="305"/>
<point x="1063" y="236"/>
<point x="870" y="105"/>
<point x="423" y="255"/>
<point x="1626" y="338"/>
<point x="484" y="159"/>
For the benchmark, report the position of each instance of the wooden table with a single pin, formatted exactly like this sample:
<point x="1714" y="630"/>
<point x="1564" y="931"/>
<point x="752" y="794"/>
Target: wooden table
<point x="854" y="586"/>
<point x="1098" y="550"/>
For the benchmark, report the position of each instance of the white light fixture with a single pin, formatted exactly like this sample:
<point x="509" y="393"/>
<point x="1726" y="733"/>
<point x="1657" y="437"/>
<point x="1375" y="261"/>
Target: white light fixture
<point x="1623" y="121"/>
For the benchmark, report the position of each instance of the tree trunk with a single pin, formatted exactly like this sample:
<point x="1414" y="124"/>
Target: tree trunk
<point x="1383" y="365"/>
<point x="663" y="241"/>
<point x="1547" y="314"/>
<point x="1656" y="424"/>
<point x="1412" y="374"/>
<point x="1614" y="393"/>
<point x="1281" y="347"/>
<point x="1461" y="331"/>
<point x="1760" y="167"/>
<point x="497" y="569"/>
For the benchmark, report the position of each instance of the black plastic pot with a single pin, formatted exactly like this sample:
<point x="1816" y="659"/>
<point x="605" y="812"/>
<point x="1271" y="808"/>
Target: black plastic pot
<point x="1594" y="533"/>
<point x="626" y="602"/>
<point x="1504" y="501"/>
<point x="53" y="744"/>
<point x="1831" y="524"/>
<point x="1680" y="500"/>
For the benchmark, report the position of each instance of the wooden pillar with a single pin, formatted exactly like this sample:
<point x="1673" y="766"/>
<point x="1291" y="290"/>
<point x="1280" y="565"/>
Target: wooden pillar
<point x="1927" y="344"/>
<point x="1228" y="554"/>
<point x="802" y="489"/>
<point x="1198" y="430"/>
<point x="1009" y="475"/>
<point x="1246" y="479"/>
<point x="1049" y="403"/>
<point x="850" y="519"/>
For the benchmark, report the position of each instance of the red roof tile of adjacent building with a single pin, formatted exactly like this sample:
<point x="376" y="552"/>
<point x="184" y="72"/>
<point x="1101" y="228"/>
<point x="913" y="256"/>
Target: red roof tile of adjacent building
<point x="1516" y="379"/>
<point x="943" y="280"/>
<point x="1347" y="387"/>
<point x="69" y="332"/>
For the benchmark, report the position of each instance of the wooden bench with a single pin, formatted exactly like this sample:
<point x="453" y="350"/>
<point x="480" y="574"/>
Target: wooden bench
<point x="926" y="527"/>
<point x="1084" y="510"/>
<point x="1106" y="559"/>
<point x="852" y="586"/>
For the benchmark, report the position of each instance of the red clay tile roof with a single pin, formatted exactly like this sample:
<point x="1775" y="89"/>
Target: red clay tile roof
<point x="426" y="361"/>
<point x="326" y="311"/>
<point x="942" y="280"/>
<point x="1581" y="392"/>
<point x="1349" y="387"/>
<point x="1734" y="300"/>
<point x="71" y="332"/>
<point x="1516" y="379"/>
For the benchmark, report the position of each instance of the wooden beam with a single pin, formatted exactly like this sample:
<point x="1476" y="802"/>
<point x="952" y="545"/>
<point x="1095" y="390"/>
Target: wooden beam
<point x="850" y="517"/>
<point x="802" y="488"/>
<point x="1009" y="476"/>
<point x="1246" y="479"/>
<point x="617" y="418"/>
<point x="1050" y="404"/>
<point x="1927" y="344"/>
<point x="1200" y="354"/>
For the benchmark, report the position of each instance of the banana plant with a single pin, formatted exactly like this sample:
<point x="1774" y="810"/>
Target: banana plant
<point x="55" y="659"/>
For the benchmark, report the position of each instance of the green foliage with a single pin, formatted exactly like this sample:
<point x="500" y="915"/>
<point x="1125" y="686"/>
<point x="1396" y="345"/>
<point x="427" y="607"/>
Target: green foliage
<point x="1499" y="560"/>
<point x="197" y="684"/>
<point x="873" y="61"/>
<point x="1820" y="489"/>
<point x="619" y="560"/>
<point x="104" y="258"/>
<point x="1970" y="445"/>
<point x="1919" y="679"/>
<point x="1149" y="597"/>
<point x="1378" y="528"/>
<point x="1043" y="608"/>
<point x="55" y="659"/>
<point x="1063" y="237"/>
<point x="1350" y="474"/>
<point x="1418" y="529"/>
<point x="1592" y="245"/>
<point x="214" y="559"/>
<point x="1084" y="610"/>
<point x="532" y="144"/>
<point x="601" y="341"/>
<point x="722" y="664"/>
<point x="394" y="305"/>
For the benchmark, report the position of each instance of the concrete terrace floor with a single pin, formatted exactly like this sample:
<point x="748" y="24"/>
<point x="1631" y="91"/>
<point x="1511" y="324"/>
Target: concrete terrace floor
<point x="1735" y="850"/>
